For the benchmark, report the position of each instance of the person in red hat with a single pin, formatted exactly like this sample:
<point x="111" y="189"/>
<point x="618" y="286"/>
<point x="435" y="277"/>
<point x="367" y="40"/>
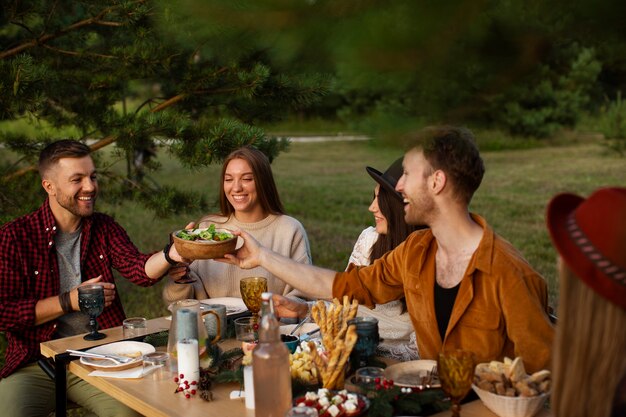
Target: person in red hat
<point x="590" y="349"/>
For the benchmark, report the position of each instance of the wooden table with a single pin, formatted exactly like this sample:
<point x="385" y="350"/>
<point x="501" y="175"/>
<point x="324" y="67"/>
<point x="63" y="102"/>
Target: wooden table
<point x="157" y="398"/>
<point x="147" y="396"/>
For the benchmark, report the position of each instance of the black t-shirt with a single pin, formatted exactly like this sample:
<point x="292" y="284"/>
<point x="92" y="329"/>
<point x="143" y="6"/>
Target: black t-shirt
<point x="444" y="301"/>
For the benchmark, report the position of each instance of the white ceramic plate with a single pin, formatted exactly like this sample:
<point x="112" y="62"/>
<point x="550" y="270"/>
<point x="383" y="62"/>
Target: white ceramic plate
<point x="118" y="348"/>
<point x="233" y="305"/>
<point x="410" y="374"/>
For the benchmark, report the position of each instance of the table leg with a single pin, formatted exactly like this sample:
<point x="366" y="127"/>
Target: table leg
<point x="60" y="383"/>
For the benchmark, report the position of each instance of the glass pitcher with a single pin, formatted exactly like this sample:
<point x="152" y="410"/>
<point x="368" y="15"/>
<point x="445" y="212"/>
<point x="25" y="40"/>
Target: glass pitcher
<point x="187" y="323"/>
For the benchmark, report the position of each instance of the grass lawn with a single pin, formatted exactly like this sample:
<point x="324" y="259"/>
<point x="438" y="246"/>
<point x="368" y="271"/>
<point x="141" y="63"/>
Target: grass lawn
<point x="326" y="187"/>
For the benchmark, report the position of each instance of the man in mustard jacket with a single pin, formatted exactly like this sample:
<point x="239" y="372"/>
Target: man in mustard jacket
<point x="465" y="287"/>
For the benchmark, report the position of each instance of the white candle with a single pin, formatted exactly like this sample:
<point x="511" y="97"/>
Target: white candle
<point x="188" y="360"/>
<point x="248" y="386"/>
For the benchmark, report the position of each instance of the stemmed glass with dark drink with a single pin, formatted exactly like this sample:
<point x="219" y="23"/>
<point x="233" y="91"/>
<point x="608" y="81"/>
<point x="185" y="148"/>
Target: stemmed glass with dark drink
<point x="91" y="302"/>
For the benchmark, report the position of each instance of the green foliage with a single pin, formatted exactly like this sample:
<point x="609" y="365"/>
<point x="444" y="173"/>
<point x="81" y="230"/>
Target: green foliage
<point x="386" y="402"/>
<point x="553" y="97"/>
<point x="105" y="72"/>
<point x="531" y="67"/>
<point x="612" y="122"/>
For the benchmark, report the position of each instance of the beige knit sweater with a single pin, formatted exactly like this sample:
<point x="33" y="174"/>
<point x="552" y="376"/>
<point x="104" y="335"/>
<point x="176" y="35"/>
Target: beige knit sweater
<point x="282" y="234"/>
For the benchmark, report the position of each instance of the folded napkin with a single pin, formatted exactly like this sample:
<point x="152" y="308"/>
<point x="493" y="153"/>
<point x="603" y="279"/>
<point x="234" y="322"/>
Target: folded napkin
<point x="132" y="373"/>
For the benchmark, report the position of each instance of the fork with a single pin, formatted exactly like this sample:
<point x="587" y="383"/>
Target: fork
<point x="304" y="320"/>
<point x="118" y="359"/>
<point x="427" y="380"/>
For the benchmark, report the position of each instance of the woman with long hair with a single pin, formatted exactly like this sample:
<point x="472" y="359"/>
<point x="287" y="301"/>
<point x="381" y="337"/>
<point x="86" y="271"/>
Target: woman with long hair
<point x="249" y="201"/>
<point x="390" y="230"/>
<point x="590" y="352"/>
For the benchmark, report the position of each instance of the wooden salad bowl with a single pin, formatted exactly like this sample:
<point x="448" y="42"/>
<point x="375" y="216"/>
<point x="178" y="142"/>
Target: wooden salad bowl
<point x="204" y="249"/>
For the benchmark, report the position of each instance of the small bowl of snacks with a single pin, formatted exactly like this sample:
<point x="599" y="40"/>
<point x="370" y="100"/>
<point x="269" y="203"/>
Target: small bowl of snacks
<point x="508" y="391"/>
<point x="208" y="243"/>
<point x="331" y="403"/>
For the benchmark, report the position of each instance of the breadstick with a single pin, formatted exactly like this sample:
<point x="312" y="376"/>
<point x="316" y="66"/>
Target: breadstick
<point x="332" y="364"/>
<point x="318" y="361"/>
<point x="335" y="377"/>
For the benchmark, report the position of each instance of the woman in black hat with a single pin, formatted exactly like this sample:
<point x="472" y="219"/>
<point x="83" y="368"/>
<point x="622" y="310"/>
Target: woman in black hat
<point x="389" y="231"/>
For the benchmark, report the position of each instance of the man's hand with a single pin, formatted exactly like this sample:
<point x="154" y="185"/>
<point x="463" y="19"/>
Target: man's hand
<point x="288" y="307"/>
<point x="179" y="271"/>
<point x="109" y="292"/>
<point x="174" y="255"/>
<point x="248" y="256"/>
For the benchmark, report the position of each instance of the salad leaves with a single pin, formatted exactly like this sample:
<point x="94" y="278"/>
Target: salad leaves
<point x="210" y="233"/>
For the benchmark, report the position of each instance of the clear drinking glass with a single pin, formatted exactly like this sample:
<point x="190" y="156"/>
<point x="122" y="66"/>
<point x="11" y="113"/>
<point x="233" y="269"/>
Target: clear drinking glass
<point x="247" y="329"/>
<point x="134" y="327"/>
<point x="155" y="365"/>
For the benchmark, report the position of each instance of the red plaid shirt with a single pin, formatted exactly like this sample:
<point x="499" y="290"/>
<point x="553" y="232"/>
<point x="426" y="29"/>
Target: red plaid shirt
<point x="29" y="272"/>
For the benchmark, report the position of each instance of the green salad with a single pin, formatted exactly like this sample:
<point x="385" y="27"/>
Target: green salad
<point x="204" y="234"/>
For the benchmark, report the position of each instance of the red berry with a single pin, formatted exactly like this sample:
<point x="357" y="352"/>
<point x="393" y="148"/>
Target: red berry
<point x="187" y="396"/>
<point x="377" y="380"/>
<point x="378" y="387"/>
<point x="194" y="383"/>
<point x="193" y="392"/>
<point x="255" y="326"/>
<point x="390" y="382"/>
<point x="175" y="379"/>
<point x="181" y="376"/>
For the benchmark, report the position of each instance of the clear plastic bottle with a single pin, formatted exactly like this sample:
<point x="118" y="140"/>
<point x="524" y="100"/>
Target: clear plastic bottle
<point x="270" y="366"/>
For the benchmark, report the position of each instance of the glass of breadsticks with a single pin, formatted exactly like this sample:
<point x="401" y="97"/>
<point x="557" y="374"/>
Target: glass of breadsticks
<point x="338" y="338"/>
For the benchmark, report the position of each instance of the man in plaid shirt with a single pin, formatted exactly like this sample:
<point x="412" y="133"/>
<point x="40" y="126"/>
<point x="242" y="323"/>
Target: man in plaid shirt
<point x="44" y="257"/>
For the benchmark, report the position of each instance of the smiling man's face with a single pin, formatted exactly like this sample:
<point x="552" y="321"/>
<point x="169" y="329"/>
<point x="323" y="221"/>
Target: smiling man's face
<point x="419" y="205"/>
<point x="73" y="183"/>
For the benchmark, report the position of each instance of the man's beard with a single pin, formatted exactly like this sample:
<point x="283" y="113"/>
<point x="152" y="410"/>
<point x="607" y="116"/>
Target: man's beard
<point x="420" y="211"/>
<point x="72" y="205"/>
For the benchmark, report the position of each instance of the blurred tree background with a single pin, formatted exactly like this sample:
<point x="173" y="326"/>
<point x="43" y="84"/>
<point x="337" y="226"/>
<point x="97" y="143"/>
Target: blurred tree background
<point x="198" y="78"/>
<point x="528" y="67"/>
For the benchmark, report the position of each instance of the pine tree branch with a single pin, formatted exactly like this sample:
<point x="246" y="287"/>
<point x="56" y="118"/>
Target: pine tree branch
<point x="46" y="38"/>
<point x="168" y="102"/>
<point x="112" y="138"/>
<point x="105" y="23"/>
<point x="73" y="53"/>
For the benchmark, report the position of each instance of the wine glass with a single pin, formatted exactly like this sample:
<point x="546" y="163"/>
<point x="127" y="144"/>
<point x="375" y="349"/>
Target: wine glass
<point x="91" y="302"/>
<point x="251" y="289"/>
<point x="456" y="372"/>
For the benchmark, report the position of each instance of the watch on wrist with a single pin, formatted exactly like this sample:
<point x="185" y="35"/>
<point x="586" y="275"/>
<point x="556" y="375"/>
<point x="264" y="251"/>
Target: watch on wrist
<point x="166" y="252"/>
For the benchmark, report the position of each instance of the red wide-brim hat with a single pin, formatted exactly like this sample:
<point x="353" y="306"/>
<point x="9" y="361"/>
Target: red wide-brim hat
<point x="590" y="236"/>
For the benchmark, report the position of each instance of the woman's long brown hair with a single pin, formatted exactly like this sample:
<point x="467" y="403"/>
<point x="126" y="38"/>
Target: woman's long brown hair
<point x="397" y="230"/>
<point x="590" y="351"/>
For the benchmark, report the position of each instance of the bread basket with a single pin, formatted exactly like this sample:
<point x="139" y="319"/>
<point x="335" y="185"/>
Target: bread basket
<point x="204" y="249"/>
<point x="504" y="406"/>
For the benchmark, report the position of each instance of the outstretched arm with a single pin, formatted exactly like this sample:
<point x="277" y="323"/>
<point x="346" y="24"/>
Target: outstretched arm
<point x="312" y="281"/>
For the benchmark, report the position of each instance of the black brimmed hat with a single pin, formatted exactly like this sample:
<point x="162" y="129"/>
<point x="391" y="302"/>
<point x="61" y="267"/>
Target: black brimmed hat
<point x="389" y="178"/>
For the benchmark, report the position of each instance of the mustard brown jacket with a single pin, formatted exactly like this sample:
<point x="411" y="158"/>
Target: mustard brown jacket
<point x="500" y="309"/>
